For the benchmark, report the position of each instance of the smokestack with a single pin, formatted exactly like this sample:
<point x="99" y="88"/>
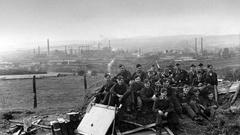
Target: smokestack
<point x="48" y="48"/>
<point x="98" y="45"/>
<point x="38" y="50"/>
<point x="71" y="51"/>
<point x="109" y="44"/>
<point x="66" y="50"/>
<point x="196" y="51"/>
<point x="202" y="45"/>
<point x="79" y="50"/>
<point x="34" y="52"/>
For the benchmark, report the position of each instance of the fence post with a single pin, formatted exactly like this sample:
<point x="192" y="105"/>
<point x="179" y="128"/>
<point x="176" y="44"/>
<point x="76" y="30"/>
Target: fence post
<point x="35" y="92"/>
<point x="85" y="81"/>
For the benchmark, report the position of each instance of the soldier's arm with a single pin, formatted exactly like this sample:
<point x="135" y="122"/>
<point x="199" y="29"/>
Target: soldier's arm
<point x="170" y="107"/>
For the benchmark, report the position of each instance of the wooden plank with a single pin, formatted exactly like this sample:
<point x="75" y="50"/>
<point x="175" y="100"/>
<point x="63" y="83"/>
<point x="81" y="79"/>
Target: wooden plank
<point x="137" y="124"/>
<point x="235" y="94"/>
<point x="144" y="133"/>
<point x="169" y="131"/>
<point x="118" y="131"/>
<point x="139" y="129"/>
<point x="19" y="122"/>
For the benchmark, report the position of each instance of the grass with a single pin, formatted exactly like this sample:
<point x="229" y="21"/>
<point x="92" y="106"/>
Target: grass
<point x="52" y="93"/>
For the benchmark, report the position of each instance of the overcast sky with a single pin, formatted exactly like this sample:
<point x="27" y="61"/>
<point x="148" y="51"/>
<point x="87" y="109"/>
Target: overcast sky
<point x="31" y="21"/>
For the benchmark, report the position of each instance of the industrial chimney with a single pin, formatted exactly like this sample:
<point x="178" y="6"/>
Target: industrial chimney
<point x="38" y="50"/>
<point x="202" y="45"/>
<point x="196" y="51"/>
<point x="48" y="47"/>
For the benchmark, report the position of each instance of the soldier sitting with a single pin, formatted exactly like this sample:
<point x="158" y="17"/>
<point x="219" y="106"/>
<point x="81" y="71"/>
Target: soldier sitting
<point x="199" y="80"/>
<point x="172" y="95"/>
<point x="180" y="76"/>
<point x="133" y="95"/>
<point x="195" y="101"/>
<point x="184" y="98"/>
<point x="164" y="110"/>
<point x="139" y="72"/>
<point x="125" y="73"/>
<point x="152" y="77"/>
<point x="104" y="90"/>
<point x="209" y="105"/>
<point x="146" y="95"/>
<point x="117" y="92"/>
<point x="192" y="75"/>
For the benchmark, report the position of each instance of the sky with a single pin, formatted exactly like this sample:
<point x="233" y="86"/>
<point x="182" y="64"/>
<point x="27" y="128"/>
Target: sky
<point x="27" y="23"/>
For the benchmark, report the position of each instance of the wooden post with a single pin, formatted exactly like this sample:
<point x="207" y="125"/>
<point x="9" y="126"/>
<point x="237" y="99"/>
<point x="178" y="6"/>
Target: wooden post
<point x="85" y="81"/>
<point x="216" y="93"/>
<point x="35" y="92"/>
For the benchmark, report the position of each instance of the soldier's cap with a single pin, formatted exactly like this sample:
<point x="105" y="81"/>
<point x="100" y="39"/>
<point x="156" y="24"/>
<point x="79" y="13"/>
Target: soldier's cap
<point x="166" y="80"/>
<point x="192" y="65"/>
<point x="146" y="81"/>
<point x="170" y="66"/>
<point x="158" y="83"/>
<point x="209" y="65"/>
<point x="195" y="89"/>
<point x="199" y="71"/>
<point x="150" y="70"/>
<point x="120" y="77"/>
<point x="137" y="76"/>
<point x="200" y="64"/>
<point x="185" y="86"/>
<point x="138" y="65"/>
<point x="210" y="92"/>
<point x="120" y="65"/>
<point x="163" y="90"/>
<point x="177" y="64"/>
<point x="106" y="75"/>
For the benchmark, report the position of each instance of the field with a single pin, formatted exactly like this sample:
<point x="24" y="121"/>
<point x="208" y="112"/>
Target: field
<point x="58" y="95"/>
<point x="55" y="93"/>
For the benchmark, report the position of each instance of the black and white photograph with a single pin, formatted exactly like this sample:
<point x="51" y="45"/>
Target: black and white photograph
<point x="119" y="67"/>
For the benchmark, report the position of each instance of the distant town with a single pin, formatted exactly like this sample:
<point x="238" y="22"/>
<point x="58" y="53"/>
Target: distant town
<point x="100" y="57"/>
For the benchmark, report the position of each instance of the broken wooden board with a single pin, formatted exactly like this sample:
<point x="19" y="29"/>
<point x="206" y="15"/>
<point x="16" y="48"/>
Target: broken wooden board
<point x="150" y="133"/>
<point x="228" y="87"/>
<point x="139" y="129"/>
<point x="97" y="120"/>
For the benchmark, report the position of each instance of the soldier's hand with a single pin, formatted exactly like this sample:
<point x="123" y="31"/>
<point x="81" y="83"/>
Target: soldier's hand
<point x="214" y="107"/>
<point x="160" y="112"/>
<point x="120" y="99"/>
<point x="120" y="96"/>
<point x="166" y="113"/>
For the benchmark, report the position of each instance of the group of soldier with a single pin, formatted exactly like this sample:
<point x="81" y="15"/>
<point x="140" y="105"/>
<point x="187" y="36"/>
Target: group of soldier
<point x="169" y="92"/>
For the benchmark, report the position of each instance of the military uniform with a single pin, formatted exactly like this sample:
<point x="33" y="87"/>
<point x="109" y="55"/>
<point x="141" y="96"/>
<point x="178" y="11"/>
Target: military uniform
<point x="211" y="78"/>
<point x="165" y="105"/>
<point x="142" y="75"/>
<point x="104" y="90"/>
<point x="133" y="94"/>
<point x="146" y="95"/>
<point x="192" y="78"/>
<point x="184" y="99"/>
<point x="126" y="76"/>
<point x="115" y="91"/>
<point x="180" y="77"/>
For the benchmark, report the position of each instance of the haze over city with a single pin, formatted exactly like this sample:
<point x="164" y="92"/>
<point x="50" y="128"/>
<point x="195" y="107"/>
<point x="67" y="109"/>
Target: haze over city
<point x="28" y="23"/>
